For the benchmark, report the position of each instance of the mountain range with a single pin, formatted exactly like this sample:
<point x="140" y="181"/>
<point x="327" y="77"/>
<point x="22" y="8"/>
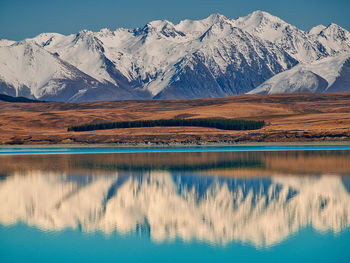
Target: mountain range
<point x="213" y="57"/>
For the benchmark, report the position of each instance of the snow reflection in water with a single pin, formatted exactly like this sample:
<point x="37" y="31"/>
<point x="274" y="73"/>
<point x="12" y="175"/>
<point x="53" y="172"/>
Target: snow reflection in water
<point x="167" y="205"/>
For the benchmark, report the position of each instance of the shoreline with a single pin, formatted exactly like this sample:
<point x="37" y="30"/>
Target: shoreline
<point x="176" y="145"/>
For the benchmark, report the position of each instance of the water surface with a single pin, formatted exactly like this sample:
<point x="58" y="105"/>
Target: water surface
<point x="171" y="206"/>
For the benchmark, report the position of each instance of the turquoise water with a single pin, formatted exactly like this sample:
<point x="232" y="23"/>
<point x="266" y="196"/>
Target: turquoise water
<point x="200" y="206"/>
<point x="24" y="244"/>
<point x="88" y="150"/>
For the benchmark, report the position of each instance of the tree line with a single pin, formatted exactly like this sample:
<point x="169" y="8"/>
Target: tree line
<point x="7" y="98"/>
<point x="223" y="124"/>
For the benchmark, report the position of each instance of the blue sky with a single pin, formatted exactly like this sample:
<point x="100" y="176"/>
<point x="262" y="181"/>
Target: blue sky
<point x="26" y="18"/>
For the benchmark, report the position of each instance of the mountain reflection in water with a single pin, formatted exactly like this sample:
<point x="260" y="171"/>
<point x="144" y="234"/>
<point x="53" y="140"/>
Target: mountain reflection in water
<point x="191" y="197"/>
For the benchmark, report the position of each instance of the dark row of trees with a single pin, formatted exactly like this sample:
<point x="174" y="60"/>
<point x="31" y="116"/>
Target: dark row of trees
<point x="224" y="124"/>
<point x="7" y="98"/>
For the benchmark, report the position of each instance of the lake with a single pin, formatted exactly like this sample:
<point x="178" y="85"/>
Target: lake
<point x="184" y="204"/>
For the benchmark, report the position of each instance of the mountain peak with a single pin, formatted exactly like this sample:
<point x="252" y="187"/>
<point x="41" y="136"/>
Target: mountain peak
<point x="332" y="27"/>
<point x="84" y="32"/>
<point x="105" y="31"/>
<point x="215" y="18"/>
<point x="84" y="35"/>
<point x="263" y="25"/>
<point x="260" y="13"/>
<point x="316" y="30"/>
<point x="160" y="28"/>
<point x="159" y="24"/>
<point x="336" y="32"/>
<point x="197" y="28"/>
<point x="258" y="18"/>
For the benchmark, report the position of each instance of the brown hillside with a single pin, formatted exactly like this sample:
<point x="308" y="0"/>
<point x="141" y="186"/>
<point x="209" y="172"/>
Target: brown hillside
<point x="289" y="117"/>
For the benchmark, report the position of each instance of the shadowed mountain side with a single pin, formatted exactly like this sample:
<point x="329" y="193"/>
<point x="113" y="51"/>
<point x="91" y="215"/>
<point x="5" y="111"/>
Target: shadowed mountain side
<point x="342" y="82"/>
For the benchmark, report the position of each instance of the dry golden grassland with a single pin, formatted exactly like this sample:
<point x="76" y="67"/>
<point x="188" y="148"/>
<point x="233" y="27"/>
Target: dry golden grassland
<point x="288" y="117"/>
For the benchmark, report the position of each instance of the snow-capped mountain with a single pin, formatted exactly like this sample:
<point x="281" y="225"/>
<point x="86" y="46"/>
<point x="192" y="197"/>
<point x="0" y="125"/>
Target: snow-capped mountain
<point x="296" y="42"/>
<point x="37" y="73"/>
<point x="330" y="74"/>
<point x="163" y="206"/>
<point x="213" y="57"/>
<point x="334" y="38"/>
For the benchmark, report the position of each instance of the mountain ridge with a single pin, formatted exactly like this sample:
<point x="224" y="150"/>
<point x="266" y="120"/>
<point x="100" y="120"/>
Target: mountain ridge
<point x="213" y="57"/>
